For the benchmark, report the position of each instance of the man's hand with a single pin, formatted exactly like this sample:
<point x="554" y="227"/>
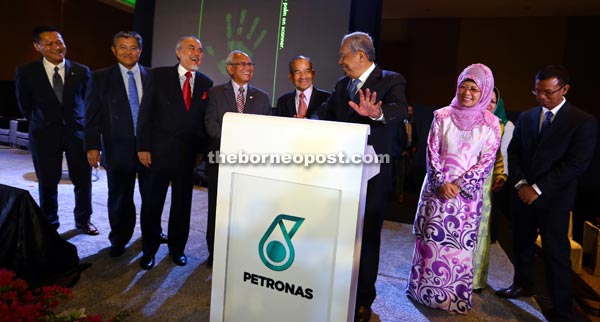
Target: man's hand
<point x="527" y="194"/>
<point x="368" y="105"/>
<point x="448" y="191"/>
<point x="145" y="158"/>
<point x="93" y="157"/>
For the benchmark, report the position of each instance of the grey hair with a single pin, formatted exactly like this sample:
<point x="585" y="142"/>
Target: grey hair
<point x="360" y="41"/>
<point x="182" y="39"/>
<point x="229" y="59"/>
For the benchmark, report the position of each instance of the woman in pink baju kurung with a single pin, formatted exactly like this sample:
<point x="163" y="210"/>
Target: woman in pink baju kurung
<point x="461" y="149"/>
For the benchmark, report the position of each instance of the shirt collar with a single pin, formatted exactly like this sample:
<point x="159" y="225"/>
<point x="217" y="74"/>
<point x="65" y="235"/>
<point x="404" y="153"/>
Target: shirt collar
<point x="307" y="92"/>
<point x="50" y="66"/>
<point x="124" y="69"/>
<point x="366" y="74"/>
<point x="181" y="70"/>
<point x="236" y="86"/>
<point x="556" y="109"/>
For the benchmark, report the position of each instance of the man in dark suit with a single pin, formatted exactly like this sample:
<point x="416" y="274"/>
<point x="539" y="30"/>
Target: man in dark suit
<point x="368" y="95"/>
<point x="404" y="152"/>
<point x="170" y="139"/>
<point x="111" y="116"/>
<point x="552" y="145"/>
<point x="236" y="96"/>
<point x="305" y="100"/>
<point x="51" y="93"/>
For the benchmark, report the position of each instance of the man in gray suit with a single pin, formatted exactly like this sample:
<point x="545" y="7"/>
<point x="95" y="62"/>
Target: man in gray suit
<point x="234" y="96"/>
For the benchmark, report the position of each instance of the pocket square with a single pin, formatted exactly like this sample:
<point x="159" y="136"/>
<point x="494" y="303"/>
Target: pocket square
<point x="204" y="95"/>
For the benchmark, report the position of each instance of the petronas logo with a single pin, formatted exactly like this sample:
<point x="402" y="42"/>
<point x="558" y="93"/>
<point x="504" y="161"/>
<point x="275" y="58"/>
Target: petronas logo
<point x="275" y="248"/>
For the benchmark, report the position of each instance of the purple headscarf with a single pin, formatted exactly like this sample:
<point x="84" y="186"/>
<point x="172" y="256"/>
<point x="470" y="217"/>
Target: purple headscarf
<point x="466" y="118"/>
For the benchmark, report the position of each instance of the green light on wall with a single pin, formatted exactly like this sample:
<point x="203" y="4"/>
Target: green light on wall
<point x="130" y="3"/>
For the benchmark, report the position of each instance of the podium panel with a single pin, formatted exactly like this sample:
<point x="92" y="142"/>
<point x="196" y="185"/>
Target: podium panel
<point x="287" y="235"/>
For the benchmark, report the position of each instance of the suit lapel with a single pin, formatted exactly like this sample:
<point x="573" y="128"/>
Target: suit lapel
<point x="230" y="97"/>
<point x="44" y="81"/>
<point x="290" y="104"/>
<point x="178" y="92"/>
<point x="118" y="85"/>
<point x="556" y="125"/>
<point x="316" y="99"/>
<point x="69" y="75"/>
<point x="249" y="106"/>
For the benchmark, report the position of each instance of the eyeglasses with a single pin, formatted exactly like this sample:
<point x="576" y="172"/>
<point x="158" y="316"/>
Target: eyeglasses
<point x="125" y="48"/>
<point x="243" y="64"/>
<point x="473" y="89"/>
<point x="547" y="93"/>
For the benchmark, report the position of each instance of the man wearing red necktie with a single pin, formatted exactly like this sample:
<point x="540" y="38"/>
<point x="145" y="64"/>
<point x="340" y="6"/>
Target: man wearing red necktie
<point x="170" y="138"/>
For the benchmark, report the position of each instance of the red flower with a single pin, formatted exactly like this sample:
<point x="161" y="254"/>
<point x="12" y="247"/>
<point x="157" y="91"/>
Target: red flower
<point x="18" y="303"/>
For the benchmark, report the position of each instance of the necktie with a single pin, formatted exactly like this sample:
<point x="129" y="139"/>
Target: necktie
<point x="240" y="100"/>
<point x="408" y="127"/>
<point x="134" y="99"/>
<point x="57" y="84"/>
<point x="302" y="106"/>
<point x="352" y="90"/>
<point x="187" y="91"/>
<point x="547" y="120"/>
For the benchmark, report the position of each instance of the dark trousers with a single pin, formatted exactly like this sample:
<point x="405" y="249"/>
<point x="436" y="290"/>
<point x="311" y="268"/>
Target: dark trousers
<point x="378" y="190"/>
<point x="47" y="148"/>
<point x="154" y="192"/>
<point x="121" y="207"/>
<point x="553" y="227"/>
<point x="212" y="171"/>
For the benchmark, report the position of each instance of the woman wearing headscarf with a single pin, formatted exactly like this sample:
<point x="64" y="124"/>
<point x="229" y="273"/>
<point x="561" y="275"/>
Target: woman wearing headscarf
<point x="461" y="150"/>
<point x="494" y="182"/>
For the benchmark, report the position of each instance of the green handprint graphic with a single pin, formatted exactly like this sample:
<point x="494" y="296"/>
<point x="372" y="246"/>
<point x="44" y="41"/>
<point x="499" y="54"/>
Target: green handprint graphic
<point x="238" y="39"/>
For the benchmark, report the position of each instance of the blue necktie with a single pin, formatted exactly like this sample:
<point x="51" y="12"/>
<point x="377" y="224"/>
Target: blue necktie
<point x="134" y="100"/>
<point x="547" y="120"/>
<point x="352" y="90"/>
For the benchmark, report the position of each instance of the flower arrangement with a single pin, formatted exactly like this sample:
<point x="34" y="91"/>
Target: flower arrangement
<point x="19" y="303"/>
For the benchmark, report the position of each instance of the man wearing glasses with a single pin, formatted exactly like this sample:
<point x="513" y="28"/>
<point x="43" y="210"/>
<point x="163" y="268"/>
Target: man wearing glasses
<point x="552" y="145"/>
<point x="234" y="96"/>
<point x="51" y="93"/>
<point x="111" y="117"/>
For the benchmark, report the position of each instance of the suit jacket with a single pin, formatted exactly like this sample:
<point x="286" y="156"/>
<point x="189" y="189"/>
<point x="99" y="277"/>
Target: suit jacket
<point x="108" y="119"/>
<point x="222" y="100"/>
<point x="286" y="104"/>
<point x="390" y="88"/>
<point x="39" y="104"/>
<point x="165" y="127"/>
<point x="554" y="159"/>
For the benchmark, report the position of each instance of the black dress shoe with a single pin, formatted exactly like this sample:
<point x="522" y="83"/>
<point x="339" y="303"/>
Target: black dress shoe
<point x="180" y="260"/>
<point x="147" y="262"/>
<point x="88" y="229"/>
<point x="116" y="251"/>
<point x="163" y="238"/>
<point x="515" y="291"/>
<point x="363" y="314"/>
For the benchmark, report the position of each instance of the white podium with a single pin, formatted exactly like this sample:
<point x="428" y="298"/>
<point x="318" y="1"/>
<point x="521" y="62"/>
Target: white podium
<point x="288" y="226"/>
